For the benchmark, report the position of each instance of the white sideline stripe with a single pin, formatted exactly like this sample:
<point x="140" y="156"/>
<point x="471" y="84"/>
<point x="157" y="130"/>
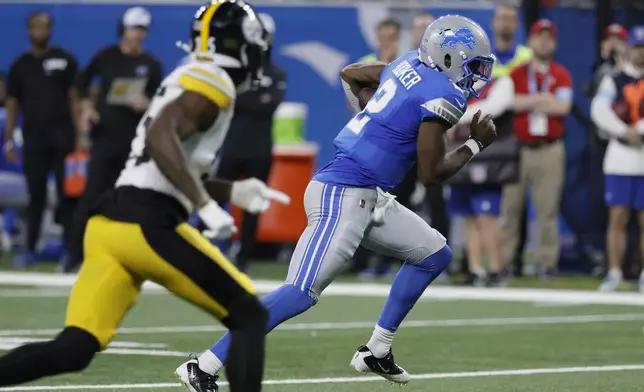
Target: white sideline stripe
<point x="580" y="319"/>
<point x="382" y="290"/>
<point x="62" y="292"/>
<point x="151" y="353"/>
<point x="117" y="351"/>
<point x="119" y="344"/>
<point x="428" y="376"/>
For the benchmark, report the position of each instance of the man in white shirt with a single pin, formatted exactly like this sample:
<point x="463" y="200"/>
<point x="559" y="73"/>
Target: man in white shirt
<point x="618" y="109"/>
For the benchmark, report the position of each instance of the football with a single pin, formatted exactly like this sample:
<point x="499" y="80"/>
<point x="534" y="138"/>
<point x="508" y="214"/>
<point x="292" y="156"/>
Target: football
<point x="365" y="95"/>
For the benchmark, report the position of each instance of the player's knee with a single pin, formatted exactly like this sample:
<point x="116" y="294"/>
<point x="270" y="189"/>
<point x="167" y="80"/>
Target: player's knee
<point x="74" y="349"/>
<point x="248" y="313"/>
<point x="437" y="261"/>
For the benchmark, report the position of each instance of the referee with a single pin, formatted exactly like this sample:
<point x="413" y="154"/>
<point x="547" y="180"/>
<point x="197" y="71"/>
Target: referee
<point x="248" y="148"/>
<point x="41" y="89"/>
<point x="129" y="77"/>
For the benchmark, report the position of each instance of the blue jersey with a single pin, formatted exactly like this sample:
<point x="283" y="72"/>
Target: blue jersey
<point x="378" y="146"/>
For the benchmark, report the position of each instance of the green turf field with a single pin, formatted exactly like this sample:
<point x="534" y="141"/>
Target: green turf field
<point x="451" y="345"/>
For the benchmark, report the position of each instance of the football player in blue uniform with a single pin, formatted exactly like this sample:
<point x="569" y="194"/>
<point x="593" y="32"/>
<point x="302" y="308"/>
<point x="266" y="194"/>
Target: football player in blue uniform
<point x="419" y="97"/>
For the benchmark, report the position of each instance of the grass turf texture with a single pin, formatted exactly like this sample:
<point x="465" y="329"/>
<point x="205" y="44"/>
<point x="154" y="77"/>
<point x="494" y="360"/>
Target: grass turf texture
<point x="313" y="352"/>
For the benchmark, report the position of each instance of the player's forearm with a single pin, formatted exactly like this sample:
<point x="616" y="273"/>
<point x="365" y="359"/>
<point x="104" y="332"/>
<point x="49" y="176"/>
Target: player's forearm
<point x="219" y="190"/>
<point x="164" y="146"/>
<point x="556" y="107"/>
<point x="452" y="163"/>
<point x="361" y="75"/>
<point x="75" y="111"/>
<point x="524" y="103"/>
<point x="605" y="118"/>
<point x="11" y="107"/>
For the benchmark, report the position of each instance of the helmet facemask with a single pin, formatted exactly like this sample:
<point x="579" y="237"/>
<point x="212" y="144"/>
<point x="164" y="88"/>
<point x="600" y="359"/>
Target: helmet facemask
<point x="476" y="69"/>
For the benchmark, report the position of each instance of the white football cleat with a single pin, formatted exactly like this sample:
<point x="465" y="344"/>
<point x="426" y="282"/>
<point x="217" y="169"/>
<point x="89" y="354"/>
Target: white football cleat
<point x="195" y="379"/>
<point x="365" y="362"/>
<point x="610" y="283"/>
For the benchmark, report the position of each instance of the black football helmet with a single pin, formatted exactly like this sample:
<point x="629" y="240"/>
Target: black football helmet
<point x="230" y="33"/>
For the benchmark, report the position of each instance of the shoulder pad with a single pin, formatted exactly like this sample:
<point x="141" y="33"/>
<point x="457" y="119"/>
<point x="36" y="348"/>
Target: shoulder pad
<point x="208" y="80"/>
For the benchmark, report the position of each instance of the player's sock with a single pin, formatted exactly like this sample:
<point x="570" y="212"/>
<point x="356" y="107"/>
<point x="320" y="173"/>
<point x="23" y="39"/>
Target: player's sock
<point x="283" y="304"/>
<point x="408" y="285"/>
<point x="380" y="341"/>
<point x="479" y="272"/>
<point x="71" y="351"/>
<point x="615" y="273"/>
<point x="209" y="363"/>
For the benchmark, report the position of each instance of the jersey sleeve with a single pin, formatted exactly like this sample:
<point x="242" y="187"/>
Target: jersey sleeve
<point x="449" y="108"/>
<point x="211" y="83"/>
<point x="563" y="90"/>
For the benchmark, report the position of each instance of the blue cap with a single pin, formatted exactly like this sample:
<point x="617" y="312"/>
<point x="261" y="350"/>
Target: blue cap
<point x="636" y="37"/>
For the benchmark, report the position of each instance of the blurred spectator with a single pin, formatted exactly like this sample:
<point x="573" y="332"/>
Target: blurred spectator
<point x="129" y="77"/>
<point x="253" y="120"/>
<point x="618" y="109"/>
<point x="421" y="21"/>
<point x="543" y="97"/>
<point x="388" y="36"/>
<point x="3" y="90"/>
<point x="613" y="48"/>
<point x="510" y="55"/>
<point x="613" y="52"/>
<point x="41" y="88"/>
<point x="477" y="195"/>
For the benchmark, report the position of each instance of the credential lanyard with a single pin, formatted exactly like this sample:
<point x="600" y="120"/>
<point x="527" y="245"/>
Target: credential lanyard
<point x="538" y="121"/>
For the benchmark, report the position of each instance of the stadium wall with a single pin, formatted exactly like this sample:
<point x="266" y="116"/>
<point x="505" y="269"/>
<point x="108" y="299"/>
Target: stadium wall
<point x="313" y="43"/>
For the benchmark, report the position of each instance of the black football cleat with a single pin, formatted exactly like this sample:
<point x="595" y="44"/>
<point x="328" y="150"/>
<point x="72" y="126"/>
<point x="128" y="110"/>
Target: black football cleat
<point x="364" y="361"/>
<point x="195" y="379"/>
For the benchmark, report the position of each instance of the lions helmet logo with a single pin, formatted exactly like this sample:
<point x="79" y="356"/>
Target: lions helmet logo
<point x="463" y="36"/>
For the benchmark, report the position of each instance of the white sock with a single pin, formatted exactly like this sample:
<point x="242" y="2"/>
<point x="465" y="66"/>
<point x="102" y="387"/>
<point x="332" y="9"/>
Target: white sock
<point x="615" y="273"/>
<point x="479" y="272"/>
<point x="380" y="342"/>
<point x="209" y="363"/>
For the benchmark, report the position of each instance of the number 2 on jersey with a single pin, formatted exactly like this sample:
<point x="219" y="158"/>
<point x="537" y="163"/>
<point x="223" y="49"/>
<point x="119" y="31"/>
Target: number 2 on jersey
<point x="377" y="104"/>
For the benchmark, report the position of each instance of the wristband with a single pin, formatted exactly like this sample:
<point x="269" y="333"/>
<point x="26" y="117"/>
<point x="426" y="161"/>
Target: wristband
<point x="473" y="145"/>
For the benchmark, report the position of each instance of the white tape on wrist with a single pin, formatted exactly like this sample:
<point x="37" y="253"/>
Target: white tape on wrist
<point x="473" y="146"/>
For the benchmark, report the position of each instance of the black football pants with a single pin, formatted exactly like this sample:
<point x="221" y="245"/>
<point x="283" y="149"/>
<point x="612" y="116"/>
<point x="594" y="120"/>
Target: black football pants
<point x="233" y="168"/>
<point x="38" y="163"/>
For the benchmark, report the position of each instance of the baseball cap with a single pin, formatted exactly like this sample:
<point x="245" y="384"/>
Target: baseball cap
<point x="137" y="17"/>
<point x="543" y="25"/>
<point x="617" y="30"/>
<point x="268" y="22"/>
<point x="637" y="36"/>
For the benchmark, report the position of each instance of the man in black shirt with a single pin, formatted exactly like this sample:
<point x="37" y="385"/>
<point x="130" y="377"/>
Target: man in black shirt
<point x="248" y="148"/>
<point x="41" y="87"/>
<point x="129" y="77"/>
